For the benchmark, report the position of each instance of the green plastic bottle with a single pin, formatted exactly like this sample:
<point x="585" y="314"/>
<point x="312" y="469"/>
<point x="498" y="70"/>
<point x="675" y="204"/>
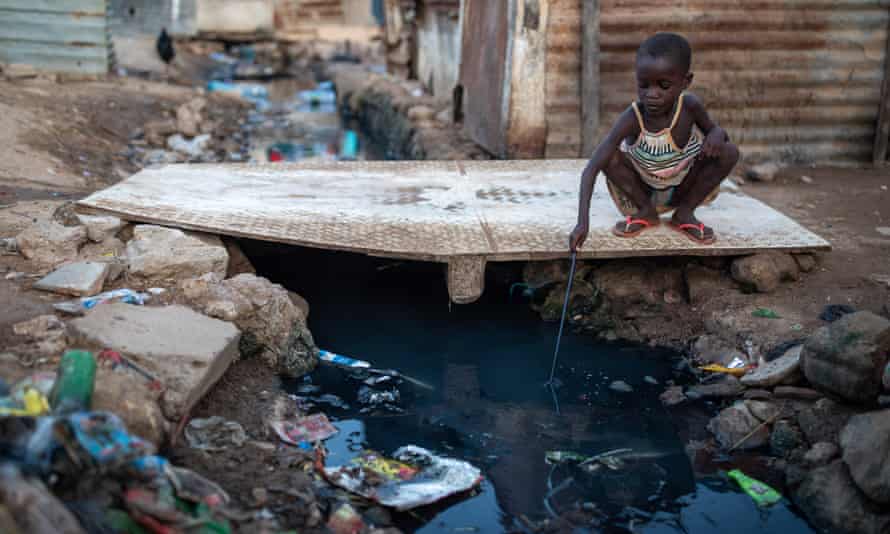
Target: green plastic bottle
<point x="762" y="494"/>
<point x="73" y="390"/>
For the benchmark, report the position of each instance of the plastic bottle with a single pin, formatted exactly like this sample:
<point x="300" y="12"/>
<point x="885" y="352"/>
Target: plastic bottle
<point x="73" y="390"/>
<point x="763" y="494"/>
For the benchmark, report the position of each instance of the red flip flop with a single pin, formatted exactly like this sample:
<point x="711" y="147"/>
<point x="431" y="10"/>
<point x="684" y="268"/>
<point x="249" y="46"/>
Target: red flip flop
<point x="644" y="225"/>
<point x="700" y="228"/>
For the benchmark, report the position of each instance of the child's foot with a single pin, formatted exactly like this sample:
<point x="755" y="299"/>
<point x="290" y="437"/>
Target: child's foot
<point x="635" y="225"/>
<point x="693" y="229"/>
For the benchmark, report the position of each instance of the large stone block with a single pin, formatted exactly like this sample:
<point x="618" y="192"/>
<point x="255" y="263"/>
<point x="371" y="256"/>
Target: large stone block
<point x="167" y="254"/>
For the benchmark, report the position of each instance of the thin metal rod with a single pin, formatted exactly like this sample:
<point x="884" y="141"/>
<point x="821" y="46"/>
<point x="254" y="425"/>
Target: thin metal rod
<point x="562" y="320"/>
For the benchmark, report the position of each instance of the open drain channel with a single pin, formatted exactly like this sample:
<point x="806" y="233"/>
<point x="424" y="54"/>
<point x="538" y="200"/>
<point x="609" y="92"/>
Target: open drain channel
<point x="487" y="363"/>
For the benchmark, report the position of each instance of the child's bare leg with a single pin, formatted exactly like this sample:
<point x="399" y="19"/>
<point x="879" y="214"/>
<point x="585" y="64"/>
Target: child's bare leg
<point x="705" y="176"/>
<point x="622" y="175"/>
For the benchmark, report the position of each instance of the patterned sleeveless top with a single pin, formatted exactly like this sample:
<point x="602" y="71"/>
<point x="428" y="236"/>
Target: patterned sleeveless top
<point x="658" y="159"/>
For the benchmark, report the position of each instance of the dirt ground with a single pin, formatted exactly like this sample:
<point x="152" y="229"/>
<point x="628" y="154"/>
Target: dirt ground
<point x="60" y="141"/>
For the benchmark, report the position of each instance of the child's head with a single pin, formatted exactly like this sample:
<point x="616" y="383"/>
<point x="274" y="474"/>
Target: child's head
<point x="663" y="71"/>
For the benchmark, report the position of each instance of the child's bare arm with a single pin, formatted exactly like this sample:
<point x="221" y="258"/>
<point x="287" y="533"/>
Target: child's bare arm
<point x="715" y="136"/>
<point x="624" y="127"/>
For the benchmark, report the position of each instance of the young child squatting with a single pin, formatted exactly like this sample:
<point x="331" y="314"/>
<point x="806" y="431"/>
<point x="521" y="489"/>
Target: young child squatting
<point x="664" y="153"/>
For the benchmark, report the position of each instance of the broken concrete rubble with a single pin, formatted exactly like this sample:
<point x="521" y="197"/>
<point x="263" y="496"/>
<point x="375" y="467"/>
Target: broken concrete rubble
<point x="100" y="228"/>
<point x="45" y="335"/>
<point x="158" y="254"/>
<point x="49" y="244"/>
<point x="188" y="352"/>
<point x="82" y="279"/>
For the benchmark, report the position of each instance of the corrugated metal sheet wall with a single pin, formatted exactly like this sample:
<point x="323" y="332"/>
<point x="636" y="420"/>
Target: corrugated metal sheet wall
<point x="563" y="79"/>
<point x="795" y="80"/>
<point x="69" y="36"/>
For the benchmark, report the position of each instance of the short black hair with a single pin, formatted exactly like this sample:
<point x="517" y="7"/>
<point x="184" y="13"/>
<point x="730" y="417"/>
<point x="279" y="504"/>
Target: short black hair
<point x="668" y="45"/>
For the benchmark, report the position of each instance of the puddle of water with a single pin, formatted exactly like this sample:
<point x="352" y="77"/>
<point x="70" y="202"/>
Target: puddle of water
<point x="488" y="362"/>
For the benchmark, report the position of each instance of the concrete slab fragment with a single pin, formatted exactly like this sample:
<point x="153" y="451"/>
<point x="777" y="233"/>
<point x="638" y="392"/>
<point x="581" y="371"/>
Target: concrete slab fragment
<point x="82" y="279"/>
<point x="187" y="351"/>
<point x="434" y="210"/>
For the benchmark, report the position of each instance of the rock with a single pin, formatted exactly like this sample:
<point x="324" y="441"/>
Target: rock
<point x="49" y="244"/>
<point x="763" y="272"/>
<point x="765" y="411"/>
<point x="65" y="215"/>
<point x="832" y="503"/>
<point x="712" y="349"/>
<point x="158" y="254"/>
<point x="726" y="386"/>
<point x="45" y="334"/>
<point x="112" y="251"/>
<point x="82" y="279"/>
<point x="273" y="326"/>
<point x="757" y="394"/>
<point x="848" y="356"/>
<point x="621" y="386"/>
<point x="883" y="230"/>
<point x="650" y="380"/>
<point x="635" y="286"/>
<point x="672" y="396"/>
<point x="157" y="132"/>
<point x="885" y="377"/>
<point x="582" y="300"/>
<point x="126" y="394"/>
<point x="866" y="445"/>
<point x="805" y="262"/>
<point x="821" y="453"/>
<point x="784" y="439"/>
<point x="884" y="401"/>
<point x="185" y="350"/>
<point x="100" y="228"/>
<point x="189" y="116"/>
<point x="763" y="172"/>
<point x="161" y="157"/>
<point x="239" y="263"/>
<point x="733" y="424"/>
<point x="301" y="303"/>
<point x="824" y="420"/>
<point x="798" y="393"/>
<point x="784" y="370"/>
<point x="703" y="283"/>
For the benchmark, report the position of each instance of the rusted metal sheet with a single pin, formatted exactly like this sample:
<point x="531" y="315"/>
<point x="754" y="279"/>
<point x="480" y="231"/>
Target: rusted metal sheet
<point x="504" y="75"/>
<point x="791" y="80"/>
<point x="437" y="48"/>
<point x="564" y="37"/>
<point x="483" y="72"/>
<point x="67" y="36"/>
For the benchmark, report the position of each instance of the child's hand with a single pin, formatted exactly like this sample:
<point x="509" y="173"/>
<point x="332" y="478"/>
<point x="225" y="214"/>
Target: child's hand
<point x="714" y="142"/>
<point x="579" y="235"/>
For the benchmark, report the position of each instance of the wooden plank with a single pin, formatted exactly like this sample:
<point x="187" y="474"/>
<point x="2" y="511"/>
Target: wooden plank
<point x="882" y="131"/>
<point x="590" y="76"/>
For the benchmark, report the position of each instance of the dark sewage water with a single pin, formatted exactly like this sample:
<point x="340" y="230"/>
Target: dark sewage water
<point x="488" y="363"/>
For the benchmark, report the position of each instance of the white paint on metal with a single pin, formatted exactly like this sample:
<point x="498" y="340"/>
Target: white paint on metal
<point x="438" y="210"/>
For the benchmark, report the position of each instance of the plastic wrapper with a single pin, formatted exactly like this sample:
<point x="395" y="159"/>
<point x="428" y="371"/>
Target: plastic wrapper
<point x="414" y="477"/>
